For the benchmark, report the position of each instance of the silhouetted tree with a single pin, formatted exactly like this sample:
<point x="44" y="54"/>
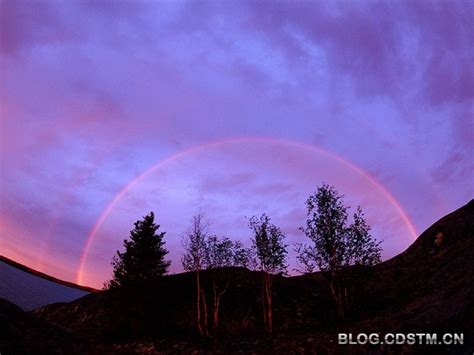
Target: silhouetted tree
<point x="363" y="249"/>
<point x="271" y="258"/>
<point x="244" y="257"/>
<point x="194" y="259"/>
<point x="144" y="255"/>
<point x="219" y="254"/>
<point x="334" y="244"/>
<point x="203" y="251"/>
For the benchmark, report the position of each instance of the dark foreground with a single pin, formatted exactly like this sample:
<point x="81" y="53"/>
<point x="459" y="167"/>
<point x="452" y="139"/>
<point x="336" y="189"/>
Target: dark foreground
<point x="429" y="288"/>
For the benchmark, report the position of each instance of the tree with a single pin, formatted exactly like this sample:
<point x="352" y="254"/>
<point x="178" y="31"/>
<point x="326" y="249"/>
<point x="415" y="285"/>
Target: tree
<point x="203" y="251"/>
<point x="271" y="258"/>
<point x="244" y="257"/>
<point x="144" y="255"/>
<point x="334" y="244"/>
<point x="193" y="259"/>
<point x="363" y="250"/>
<point x="219" y="254"/>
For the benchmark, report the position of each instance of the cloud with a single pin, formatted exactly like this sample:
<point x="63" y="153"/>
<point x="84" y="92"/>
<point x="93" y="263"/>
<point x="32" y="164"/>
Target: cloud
<point x="94" y="93"/>
<point x="26" y="23"/>
<point x="381" y="46"/>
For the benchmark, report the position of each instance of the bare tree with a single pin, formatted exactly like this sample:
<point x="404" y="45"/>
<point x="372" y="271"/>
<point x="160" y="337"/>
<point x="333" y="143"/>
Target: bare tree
<point x="271" y="258"/>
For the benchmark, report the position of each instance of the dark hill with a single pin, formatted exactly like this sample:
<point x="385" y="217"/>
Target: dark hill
<point x="427" y="288"/>
<point x="437" y="270"/>
<point x="166" y="307"/>
<point x="22" y="333"/>
<point x="450" y="234"/>
<point x="430" y="286"/>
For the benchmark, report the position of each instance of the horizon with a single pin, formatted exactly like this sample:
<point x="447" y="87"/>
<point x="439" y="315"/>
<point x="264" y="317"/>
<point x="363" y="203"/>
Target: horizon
<point x="72" y="283"/>
<point x="111" y="110"/>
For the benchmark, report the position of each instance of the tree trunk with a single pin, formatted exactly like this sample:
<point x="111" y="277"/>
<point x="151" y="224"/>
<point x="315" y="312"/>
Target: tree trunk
<point x="217" y="300"/>
<point x="198" y="303"/>
<point x="337" y="296"/>
<point x="205" y="316"/>
<point x="264" y="300"/>
<point x="215" y="310"/>
<point x="269" y="303"/>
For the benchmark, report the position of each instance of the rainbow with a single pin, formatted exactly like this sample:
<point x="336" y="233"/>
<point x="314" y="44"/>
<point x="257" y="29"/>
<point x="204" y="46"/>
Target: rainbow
<point x="252" y="139"/>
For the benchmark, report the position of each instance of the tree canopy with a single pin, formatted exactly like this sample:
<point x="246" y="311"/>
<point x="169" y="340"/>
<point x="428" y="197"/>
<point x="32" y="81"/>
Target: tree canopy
<point x="268" y="244"/>
<point x="144" y="255"/>
<point x="335" y="243"/>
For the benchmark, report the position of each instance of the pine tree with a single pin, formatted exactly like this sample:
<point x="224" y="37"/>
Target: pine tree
<point x="144" y="255"/>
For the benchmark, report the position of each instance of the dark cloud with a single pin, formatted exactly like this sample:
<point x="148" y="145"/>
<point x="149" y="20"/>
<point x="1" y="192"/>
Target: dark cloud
<point x="24" y="24"/>
<point x="381" y="45"/>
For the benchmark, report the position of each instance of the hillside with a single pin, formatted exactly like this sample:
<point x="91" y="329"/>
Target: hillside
<point x="23" y="333"/>
<point x="432" y="282"/>
<point x="427" y="288"/>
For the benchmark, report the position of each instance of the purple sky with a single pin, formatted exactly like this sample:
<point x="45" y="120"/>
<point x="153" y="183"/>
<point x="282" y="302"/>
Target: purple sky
<point x="375" y="98"/>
